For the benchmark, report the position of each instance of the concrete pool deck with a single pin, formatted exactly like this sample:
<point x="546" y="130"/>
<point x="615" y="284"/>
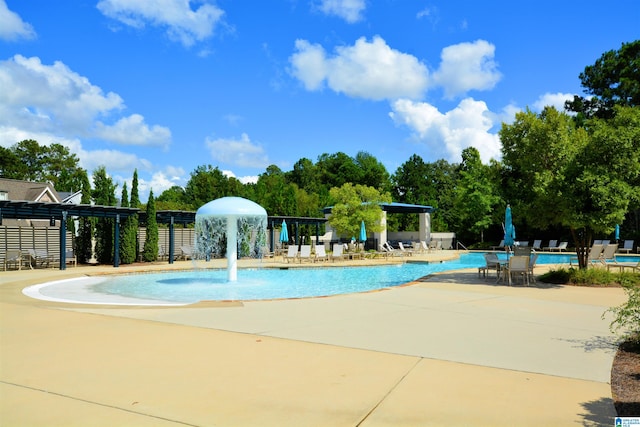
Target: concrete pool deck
<point x="451" y="349"/>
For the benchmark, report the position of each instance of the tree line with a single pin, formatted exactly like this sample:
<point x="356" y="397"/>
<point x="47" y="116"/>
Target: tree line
<point x="572" y="174"/>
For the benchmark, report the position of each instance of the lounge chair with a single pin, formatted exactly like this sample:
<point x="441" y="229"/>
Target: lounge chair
<point x="305" y="253"/>
<point x="321" y="253"/>
<point x="519" y="266"/>
<point x="594" y="254"/>
<point x="537" y="245"/>
<point x="626" y="247"/>
<point x="608" y="253"/>
<point x="292" y="253"/>
<point x="500" y="246"/>
<point x="404" y="250"/>
<point x="187" y="252"/>
<point x="13" y="257"/>
<point x="561" y="247"/>
<point x="391" y="250"/>
<point x="424" y="246"/>
<point x="337" y="251"/>
<point x="552" y="245"/>
<point x="624" y="265"/>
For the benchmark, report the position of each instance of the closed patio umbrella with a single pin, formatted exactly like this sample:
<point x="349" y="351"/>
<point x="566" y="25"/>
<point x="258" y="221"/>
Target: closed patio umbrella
<point x="363" y="232"/>
<point x="509" y="229"/>
<point x="284" y="233"/>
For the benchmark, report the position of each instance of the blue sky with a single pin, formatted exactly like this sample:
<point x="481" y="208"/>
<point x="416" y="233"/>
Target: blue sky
<point x="165" y="86"/>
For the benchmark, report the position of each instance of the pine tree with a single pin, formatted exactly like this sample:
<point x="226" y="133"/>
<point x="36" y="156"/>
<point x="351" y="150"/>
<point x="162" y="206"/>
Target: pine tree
<point x="150" y="251"/>
<point x="104" y="194"/>
<point x="83" y="249"/>
<point x="135" y="203"/>
<point x="127" y="233"/>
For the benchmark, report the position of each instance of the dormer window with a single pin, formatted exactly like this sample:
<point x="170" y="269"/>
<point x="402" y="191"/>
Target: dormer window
<point x="4" y="195"/>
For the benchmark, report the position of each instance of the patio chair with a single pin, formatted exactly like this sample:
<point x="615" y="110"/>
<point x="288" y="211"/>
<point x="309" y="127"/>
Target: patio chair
<point x="71" y="258"/>
<point x="292" y="253"/>
<point x="561" y="247"/>
<point x="39" y="257"/>
<point x="537" y="245"/>
<point x="518" y="266"/>
<point x="532" y="264"/>
<point x="626" y="247"/>
<point x="492" y="263"/>
<point x="13" y="257"/>
<point x="424" y="246"/>
<point x="552" y="245"/>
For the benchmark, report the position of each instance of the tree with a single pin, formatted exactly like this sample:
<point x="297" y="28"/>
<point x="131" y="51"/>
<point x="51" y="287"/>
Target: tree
<point x="372" y="172"/>
<point x="274" y="194"/>
<point x="614" y="79"/>
<point x="27" y="160"/>
<point x="354" y="204"/>
<point x="337" y="169"/>
<point x="150" y="250"/>
<point x="128" y="232"/>
<point x="476" y="197"/>
<point x="83" y="249"/>
<point x="173" y="198"/>
<point x="135" y="203"/>
<point x="206" y="184"/>
<point x="104" y="194"/>
<point x="583" y="179"/>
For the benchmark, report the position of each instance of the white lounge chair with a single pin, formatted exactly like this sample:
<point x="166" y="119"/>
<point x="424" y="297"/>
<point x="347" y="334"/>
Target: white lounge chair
<point x="537" y="244"/>
<point x="337" y="251"/>
<point x="532" y="264"/>
<point x="561" y="247"/>
<point x="404" y="250"/>
<point x="321" y="253"/>
<point x="292" y="253"/>
<point x="552" y="244"/>
<point x="305" y="253"/>
<point x="187" y="252"/>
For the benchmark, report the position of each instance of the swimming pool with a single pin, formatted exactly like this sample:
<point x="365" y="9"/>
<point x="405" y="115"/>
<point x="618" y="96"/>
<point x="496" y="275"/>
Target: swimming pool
<point x="186" y="287"/>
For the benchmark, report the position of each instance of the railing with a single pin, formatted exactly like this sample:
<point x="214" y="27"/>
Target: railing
<point x="458" y="245"/>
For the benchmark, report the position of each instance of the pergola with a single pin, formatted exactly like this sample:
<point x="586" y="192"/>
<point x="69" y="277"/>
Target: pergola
<point x="21" y="209"/>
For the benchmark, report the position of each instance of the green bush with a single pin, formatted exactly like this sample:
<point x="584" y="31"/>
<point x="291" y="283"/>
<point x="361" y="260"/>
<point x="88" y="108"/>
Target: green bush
<point x="590" y="277"/>
<point x="627" y="316"/>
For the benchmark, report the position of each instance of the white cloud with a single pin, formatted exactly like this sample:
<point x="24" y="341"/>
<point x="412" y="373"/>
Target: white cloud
<point x="553" y="100"/>
<point x="182" y="23"/>
<point x="467" y="66"/>
<point x="55" y="100"/>
<point x="349" y="10"/>
<point x="133" y="130"/>
<point x="447" y="134"/>
<point x="239" y="152"/>
<point x="248" y="179"/>
<point x="50" y="97"/>
<point x="12" y="27"/>
<point x="370" y="70"/>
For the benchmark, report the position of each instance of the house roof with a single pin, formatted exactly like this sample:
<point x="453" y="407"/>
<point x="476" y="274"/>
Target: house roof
<point x="29" y="191"/>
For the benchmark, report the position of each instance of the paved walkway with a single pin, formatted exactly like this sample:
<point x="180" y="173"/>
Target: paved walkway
<point x="451" y="350"/>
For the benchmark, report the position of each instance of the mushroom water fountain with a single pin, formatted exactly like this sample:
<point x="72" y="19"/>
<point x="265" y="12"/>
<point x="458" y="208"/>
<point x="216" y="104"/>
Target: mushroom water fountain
<point x="239" y="222"/>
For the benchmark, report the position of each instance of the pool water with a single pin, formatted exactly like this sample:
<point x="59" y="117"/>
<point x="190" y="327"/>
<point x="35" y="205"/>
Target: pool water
<point x="271" y="283"/>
